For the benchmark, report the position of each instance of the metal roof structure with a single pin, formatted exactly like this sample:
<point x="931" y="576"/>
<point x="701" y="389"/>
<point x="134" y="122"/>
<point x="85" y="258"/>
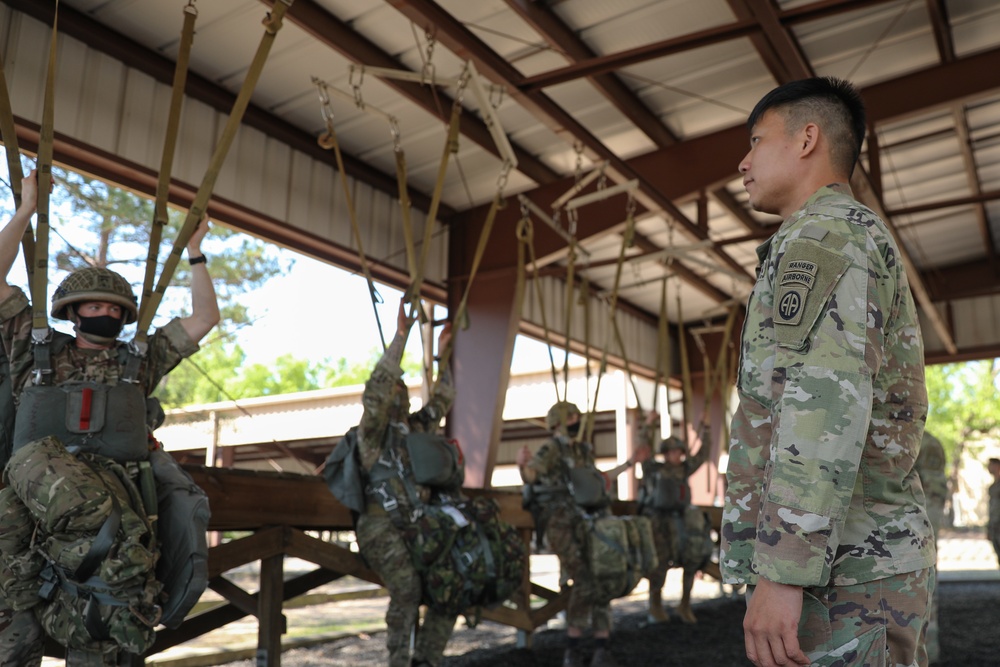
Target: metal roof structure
<point x="646" y="96"/>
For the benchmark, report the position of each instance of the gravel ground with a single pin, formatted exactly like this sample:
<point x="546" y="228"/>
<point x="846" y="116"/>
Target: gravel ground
<point x="969" y="612"/>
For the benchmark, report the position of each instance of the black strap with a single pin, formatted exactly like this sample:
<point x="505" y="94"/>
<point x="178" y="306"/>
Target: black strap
<point x="102" y="543"/>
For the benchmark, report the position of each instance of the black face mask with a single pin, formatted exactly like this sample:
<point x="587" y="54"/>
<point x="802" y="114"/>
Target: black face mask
<point x="103" y="325"/>
<point x="573" y="429"/>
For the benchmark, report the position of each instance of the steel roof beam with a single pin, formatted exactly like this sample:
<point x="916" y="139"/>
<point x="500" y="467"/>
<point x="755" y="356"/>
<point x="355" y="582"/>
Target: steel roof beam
<point x="456" y="37"/>
<point x="334" y="33"/>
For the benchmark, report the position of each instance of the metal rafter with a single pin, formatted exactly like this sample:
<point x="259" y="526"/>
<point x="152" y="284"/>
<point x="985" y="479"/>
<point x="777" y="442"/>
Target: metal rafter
<point x="337" y="35"/>
<point x="972" y="178"/>
<point x="456" y="37"/>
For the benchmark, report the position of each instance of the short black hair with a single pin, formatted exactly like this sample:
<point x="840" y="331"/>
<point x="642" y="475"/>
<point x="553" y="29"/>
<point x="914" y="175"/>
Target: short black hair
<point x="836" y="105"/>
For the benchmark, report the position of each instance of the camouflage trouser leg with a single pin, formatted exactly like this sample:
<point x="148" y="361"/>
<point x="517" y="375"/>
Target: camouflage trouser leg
<point x="881" y="623"/>
<point x="21" y="639"/>
<point x="566" y="535"/>
<point x="433" y="636"/>
<point x="383" y="548"/>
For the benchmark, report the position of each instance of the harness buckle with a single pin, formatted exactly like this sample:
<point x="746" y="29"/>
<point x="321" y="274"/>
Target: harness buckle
<point x="39" y="374"/>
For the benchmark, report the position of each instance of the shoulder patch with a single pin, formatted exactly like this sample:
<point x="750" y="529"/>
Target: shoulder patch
<point x="807" y="274"/>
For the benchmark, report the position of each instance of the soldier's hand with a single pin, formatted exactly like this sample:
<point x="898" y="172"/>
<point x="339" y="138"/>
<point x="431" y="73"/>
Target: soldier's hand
<point x="771" y="625"/>
<point x="652" y="417"/>
<point x="29" y="192"/>
<point x="444" y="338"/>
<point x="641" y="455"/>
<point x="405" y="320"/>
<point x="524" y="456"/>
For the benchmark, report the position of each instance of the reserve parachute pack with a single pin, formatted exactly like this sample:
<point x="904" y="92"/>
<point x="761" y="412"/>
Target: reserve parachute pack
<point x="480" y="559"/>
<point x="620" y="551"/>
<point x="78" y="548"/>
<point x="668" y="493"/>
<point x="183" y="515"/>
<point x="467" y="556"/>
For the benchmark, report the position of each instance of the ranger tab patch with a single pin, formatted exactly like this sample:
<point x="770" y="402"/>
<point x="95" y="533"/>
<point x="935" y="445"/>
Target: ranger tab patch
<point x="794" y="283"/>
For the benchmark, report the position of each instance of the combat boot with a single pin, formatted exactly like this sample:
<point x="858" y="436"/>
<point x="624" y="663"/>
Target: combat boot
<point x="603" y="658"/>
<point x="573" y="658"/>
<point x="656" y="613"/>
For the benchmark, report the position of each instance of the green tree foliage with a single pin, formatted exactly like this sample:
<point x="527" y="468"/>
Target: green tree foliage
<point x="963" y="403"/>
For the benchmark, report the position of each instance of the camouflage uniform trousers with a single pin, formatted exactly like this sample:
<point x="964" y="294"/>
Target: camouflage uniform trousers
<point x="881" y="623"/>
<point x="993" y="533"/>
<point x="21" y="642"/>
<point x="383" y="548"/>
<point x="567" y="535"/>
<point x="681" y="539"/>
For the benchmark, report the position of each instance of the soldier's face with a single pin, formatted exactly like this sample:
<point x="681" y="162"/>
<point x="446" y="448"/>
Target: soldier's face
<point x="769" y="168"/>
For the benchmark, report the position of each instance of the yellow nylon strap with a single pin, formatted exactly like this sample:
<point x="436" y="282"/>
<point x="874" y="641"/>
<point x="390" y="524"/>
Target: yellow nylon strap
<point x="450" y="146"/>
<point x="662" y="349"/>
<point x="40" y="275"/>
<point x="685" y="363"/>
<point x="484" y="237"/>
<point x="585" y="297"/>
<point x="570" y="288"/>
<point x="404" y="208"/>
<point x="330" y="141"/>
<point x="612" y="324"/>
<point x="525" y="250"/>
<point x="272" y="24"/>
<point x="160" y="217"/>
<point x="8" y="132"/>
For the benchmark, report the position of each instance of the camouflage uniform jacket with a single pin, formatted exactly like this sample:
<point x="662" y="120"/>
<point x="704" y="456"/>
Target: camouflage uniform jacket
<point x="821" y="486"/>
<point x="375" y="420"/>
<point x="167" y="346"/>
<point x="552" y="464"/>
<point x="651" y="469"/>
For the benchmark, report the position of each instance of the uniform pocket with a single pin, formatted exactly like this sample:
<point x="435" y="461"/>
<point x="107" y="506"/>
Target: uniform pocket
<point x="870" y="649"/>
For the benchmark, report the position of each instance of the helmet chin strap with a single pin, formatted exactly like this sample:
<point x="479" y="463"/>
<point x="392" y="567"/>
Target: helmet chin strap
<point x="94" y="338"/>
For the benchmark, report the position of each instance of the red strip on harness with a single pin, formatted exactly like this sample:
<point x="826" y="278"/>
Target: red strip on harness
<point x="87" y="396"/>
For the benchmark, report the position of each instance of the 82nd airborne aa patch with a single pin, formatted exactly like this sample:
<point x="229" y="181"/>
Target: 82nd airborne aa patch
<point x="794" y="286"/>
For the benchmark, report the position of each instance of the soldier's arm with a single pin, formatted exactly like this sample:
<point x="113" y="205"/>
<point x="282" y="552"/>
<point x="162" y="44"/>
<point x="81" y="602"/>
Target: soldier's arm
<point x="816" y="448"/>
<point x="443" y="395"/>
<point x="377" y="393"/>
<point x="204" y="303"/>
<point x="10" y="235"/>
<point x="704" y="451"/>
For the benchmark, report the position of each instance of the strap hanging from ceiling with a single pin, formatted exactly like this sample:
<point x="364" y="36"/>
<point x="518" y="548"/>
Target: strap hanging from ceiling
<point x="272" y="24"/>
<point x="450" y="147"/>
<point x="160" y="217"/>
<point x="627" y="236"/>
<point x="40" y="275"/>
<point x="8" y="132"/>
<point x="329" y="140"/>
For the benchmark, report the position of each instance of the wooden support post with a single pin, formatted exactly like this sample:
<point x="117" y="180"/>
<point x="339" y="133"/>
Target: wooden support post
<point x="271" y="620"/>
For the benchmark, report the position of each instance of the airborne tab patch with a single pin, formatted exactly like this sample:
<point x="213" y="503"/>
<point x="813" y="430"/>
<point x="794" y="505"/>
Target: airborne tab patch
<point x="795" y="282"/>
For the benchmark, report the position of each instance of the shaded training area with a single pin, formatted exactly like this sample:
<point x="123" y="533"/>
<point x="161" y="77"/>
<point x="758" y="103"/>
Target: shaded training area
<point x="968" y="613"/>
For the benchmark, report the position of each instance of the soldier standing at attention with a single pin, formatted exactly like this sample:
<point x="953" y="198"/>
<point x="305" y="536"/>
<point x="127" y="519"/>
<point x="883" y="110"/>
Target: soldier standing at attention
<point x="99" y="303"/>
<point x="993" y="527"/>
<point x="824" y="517"/>
<point x="557" y="515"/>
<point x="682" y="532"/>
<point x="380" y="540"/>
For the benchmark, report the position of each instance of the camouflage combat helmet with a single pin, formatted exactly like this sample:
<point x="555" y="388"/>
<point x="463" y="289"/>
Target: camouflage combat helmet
<point x="673" y="442"/>
<point x="560" y="413"/>
<point x="94" y="284"/>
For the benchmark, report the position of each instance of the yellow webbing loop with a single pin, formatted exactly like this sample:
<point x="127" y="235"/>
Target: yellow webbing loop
<point x="662" y="349"/>
<point x="40" y="275"/>
<point x="8" y="132"/>
<point x="484" y="238"/>
<point x="330" y="141"/>
<point x="450" y="146"/>
<point x="160" y="217"/>
<point x="272" y="24"/>
<point x="685" y="363"/>
<point x="612" y="324"/>
<point x="525" y="248"/>
<point x="404" y="208"/>
<point x="570" y="288"/>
